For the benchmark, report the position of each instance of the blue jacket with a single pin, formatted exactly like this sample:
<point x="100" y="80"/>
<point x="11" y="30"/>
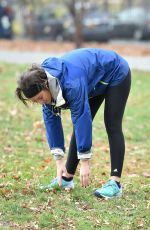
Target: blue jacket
<point x="82" y="73"/>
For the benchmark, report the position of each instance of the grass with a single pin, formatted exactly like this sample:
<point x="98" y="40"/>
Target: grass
<point x="26" y="163"/>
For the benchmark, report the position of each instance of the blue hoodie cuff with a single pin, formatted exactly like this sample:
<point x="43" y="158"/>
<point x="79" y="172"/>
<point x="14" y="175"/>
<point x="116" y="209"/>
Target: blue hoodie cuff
<point x="85" y="155"/>
<point x="57" y="153"/>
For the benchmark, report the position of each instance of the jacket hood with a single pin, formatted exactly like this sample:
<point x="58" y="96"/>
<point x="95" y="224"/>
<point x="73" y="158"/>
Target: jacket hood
<point x="55" y="89"/>
<point x="54" y="66"/>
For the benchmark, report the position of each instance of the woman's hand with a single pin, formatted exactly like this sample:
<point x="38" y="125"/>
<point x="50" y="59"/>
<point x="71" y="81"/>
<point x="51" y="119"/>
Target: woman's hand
<point x="60" y="170"/>
<point x="84" y="173"/>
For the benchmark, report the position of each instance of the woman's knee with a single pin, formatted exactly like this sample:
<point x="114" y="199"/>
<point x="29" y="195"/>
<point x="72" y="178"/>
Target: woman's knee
<point x="113" y="128"/>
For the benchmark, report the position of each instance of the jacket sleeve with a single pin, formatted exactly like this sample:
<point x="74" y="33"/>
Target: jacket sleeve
<point x="81" y="118"/>
<point x="54" y="131"/>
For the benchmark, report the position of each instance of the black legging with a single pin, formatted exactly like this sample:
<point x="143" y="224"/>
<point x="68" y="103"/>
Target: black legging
<point x="115" y="101"/>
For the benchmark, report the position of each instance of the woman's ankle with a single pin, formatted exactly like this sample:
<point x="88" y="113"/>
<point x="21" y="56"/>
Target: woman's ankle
<point x="116" y="178"/>
<point x="68" y="175"/>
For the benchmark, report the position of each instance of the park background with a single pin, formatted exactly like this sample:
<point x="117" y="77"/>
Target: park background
<point x="26" y="161"/>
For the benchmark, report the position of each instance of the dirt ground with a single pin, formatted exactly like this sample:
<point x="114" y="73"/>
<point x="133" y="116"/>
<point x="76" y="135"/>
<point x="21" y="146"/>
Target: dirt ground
<point x="59" y="47"/>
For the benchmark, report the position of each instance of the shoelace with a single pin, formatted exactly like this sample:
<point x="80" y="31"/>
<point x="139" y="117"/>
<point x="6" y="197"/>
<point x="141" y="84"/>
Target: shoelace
<point x="109" y="185"/>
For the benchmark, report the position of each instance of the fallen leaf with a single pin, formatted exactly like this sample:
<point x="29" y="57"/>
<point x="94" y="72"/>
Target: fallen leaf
<point x="100" y="183"/>
<point x="133" y="175"/>
<point x="2" y="185"/>
<point x="16" y="177"/>
<point x="27" y="191"/>
<point x="141" y="223"/>
<point x="24" y="205"/>
<point x="13" y="112"/>
<point x="2" y="175"/>
<point x="38" y="125"/>
<point x="48" y="160"/>
<point x="8" y="148"/>
<point x="34" y="209"/>
<point x="42" y="167"/>
<point x="146" y="174"/>
<point x="68" y="189"/>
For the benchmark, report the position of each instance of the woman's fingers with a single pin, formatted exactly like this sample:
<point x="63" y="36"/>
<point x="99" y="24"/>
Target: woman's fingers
<point x="84" y="180"/>
<point x="59" y="178"/>
<point x="84" y="173"/>
<point x="60" y="170"/>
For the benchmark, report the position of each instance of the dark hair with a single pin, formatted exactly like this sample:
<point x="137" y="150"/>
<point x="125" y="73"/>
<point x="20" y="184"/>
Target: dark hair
<point x="34" y="75"/>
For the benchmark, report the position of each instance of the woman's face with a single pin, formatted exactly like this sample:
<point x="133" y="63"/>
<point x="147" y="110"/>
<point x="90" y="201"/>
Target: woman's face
<point x="43" y="97"/>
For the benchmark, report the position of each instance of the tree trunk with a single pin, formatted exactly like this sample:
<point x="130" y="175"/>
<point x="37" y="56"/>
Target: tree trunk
<point x="127" y="4"/>
<point x="77" y="15"/>
<point x="106" y="6"/>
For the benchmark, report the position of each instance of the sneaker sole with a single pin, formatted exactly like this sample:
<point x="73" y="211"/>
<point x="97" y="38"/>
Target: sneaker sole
<point x="107" y="197"/>
<point x="54" y="188"/>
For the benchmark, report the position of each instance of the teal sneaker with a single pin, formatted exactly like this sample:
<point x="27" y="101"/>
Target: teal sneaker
<point x="109" y="190"/>
<point x="54" y="185"/>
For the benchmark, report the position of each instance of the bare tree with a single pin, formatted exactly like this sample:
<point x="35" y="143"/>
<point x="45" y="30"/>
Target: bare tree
<point x="106" y="5"/>
<point x="127" y="3"/>
<point x="76" y="12"/>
